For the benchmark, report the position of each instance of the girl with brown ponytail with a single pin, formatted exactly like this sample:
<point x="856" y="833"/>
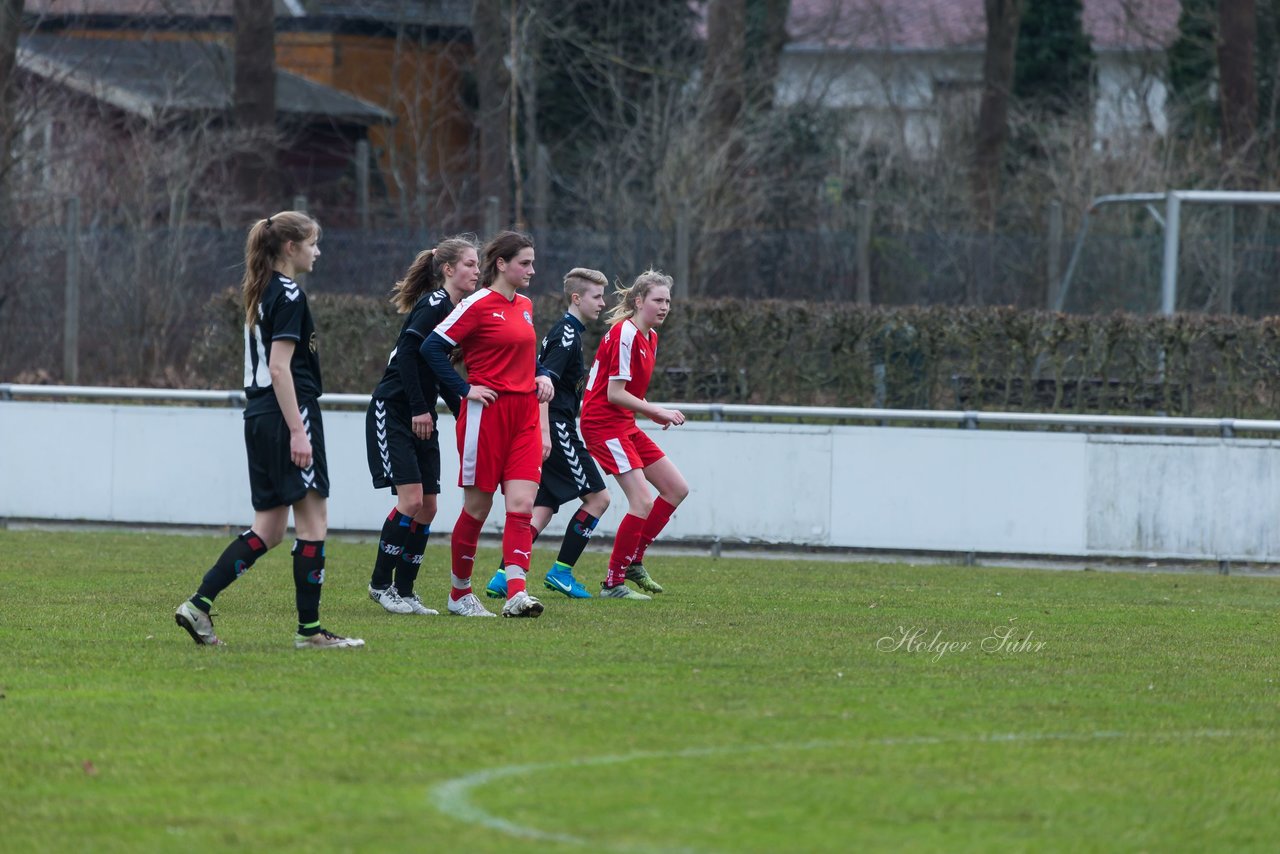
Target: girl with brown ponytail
<point x="283" y="431"/>
<point x="400" y="427"/>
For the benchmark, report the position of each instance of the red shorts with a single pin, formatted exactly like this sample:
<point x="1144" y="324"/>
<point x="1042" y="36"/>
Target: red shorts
<point x="621" y="454"/>
<point x="499" y="442"/>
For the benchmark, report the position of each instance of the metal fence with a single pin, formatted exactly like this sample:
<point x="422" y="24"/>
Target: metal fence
<point x="143" y="295"/>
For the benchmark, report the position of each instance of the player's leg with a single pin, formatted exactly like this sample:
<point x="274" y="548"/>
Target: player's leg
<point x="576" y="536"/>
<point x="517" y="547"/>
<point x="672" y="489"/>
<point x="389" y="446"/>
<point x="264" y="448"/>
<point x="627" y="540"/>
<point x="463" y="543"/>
<point x="410" y="562"/>
<point x="311" y="523"/>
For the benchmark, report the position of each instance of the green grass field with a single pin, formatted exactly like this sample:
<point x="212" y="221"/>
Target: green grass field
<point x="759" y="705"/>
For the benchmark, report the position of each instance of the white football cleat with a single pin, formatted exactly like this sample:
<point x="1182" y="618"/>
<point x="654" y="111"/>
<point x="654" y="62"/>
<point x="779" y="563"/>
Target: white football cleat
<point x="468" y="606"/>
<point x="415" y="603"/>
<point x="522" y="605"/>
<point x="325" y="640"/>
<point x="390" y="600"/>
<point x="197" y="623"/>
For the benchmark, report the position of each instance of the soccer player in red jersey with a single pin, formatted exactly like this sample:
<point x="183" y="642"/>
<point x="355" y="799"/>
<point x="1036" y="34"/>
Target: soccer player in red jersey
<point x="615" y="392"/>
<point x="500" y="440"/>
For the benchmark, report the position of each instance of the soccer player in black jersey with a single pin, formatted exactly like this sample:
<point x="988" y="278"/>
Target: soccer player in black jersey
<point x="283" y="432"/>
<point x="400" y="427"/>
<point x="569" y="472"/>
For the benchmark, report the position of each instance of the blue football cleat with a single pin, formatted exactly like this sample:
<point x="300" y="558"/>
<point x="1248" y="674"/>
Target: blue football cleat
<point x="564" y="582"/>
<point x="497" y="586"/>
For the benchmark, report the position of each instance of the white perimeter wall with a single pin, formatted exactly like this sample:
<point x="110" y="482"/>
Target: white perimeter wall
<point x="860" y="487"/>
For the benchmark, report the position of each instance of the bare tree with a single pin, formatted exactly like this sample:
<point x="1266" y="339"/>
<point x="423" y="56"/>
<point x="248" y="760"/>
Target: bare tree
<point x="490" y="27"/>
<point x="255" y="97"/>
<point x="1237" y="35"/>
<point x="724" y="77"/>
<point x="993" y="115"/>
<point x="10" y="27"/>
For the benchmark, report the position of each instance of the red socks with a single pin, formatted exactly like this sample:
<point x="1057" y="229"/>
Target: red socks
<point x="517" y="543"/>
<point x="658" y="518"/>
<point x="625" y="544"/>
<point x="462" y="545"/>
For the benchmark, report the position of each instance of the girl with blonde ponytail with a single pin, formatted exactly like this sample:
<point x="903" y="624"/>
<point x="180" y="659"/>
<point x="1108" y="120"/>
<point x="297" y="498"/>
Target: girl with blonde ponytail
<point x="400" y="426"/>
<point x="283" y="431"/>
<point x="615" y="392"/>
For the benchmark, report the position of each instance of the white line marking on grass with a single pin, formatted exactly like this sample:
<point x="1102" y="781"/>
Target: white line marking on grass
<point x="453" y="797"/>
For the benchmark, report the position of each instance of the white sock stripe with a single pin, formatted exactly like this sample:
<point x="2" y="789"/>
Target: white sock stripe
<point x="459" y="583"/>
<point x="514" y="571"/>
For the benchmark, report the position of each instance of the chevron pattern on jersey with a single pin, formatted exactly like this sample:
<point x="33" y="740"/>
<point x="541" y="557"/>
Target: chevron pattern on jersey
<point x="571" y="456"/>
<point x="380" y="430"/>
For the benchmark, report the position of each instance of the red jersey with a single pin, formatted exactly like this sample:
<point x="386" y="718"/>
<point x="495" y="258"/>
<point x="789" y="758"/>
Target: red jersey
<point x="624" y="354"/>
<point x="499" y="346"/>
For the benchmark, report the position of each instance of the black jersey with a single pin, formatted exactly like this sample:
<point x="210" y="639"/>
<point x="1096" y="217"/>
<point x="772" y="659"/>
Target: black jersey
<point x="562" y="357"/>
<point x="283" y="314"/>
<point x="408" y="378"/>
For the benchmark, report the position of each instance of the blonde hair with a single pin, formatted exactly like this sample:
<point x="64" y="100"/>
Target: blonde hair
<point x="263" y="247"/>
<point x="629" y="298"/>
<point x="427" y="269"/>
<point x="577" y="280"/>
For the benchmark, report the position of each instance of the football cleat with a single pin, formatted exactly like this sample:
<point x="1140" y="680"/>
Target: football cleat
<point x="621" y="591"/>
<point x="389" y="599"/>
<point x="564" y="582"/>
<point x="468" y="606"/>
<point x="325" y="640"/>
<point x="497" y="586"/>
<point x="197" y="623"/>
<point x="522" y="605"/>
<point x="637" y="573"/>
<point x="415" y="603"/>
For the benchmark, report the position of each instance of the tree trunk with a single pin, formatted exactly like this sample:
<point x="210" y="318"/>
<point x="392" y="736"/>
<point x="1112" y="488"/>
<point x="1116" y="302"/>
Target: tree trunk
<point x="723" y="74"/>
<point x="1237" y="35"/>
<point x="489" y="28"/>
<point x="769" y="28"/>
<point x="254" y="101"/>
<point x="10" y="28"/>
<point x="993" y="116"/>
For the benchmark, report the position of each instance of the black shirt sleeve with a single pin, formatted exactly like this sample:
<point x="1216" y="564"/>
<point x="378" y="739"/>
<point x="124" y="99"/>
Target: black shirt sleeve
<point x="435" y="350"/>
<point x="407" y="365"/>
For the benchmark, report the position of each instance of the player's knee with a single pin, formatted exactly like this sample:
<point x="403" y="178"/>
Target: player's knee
<point x="641" y="508"/>
<point x="676" y="493"/>
<point x="410" y="505"/>
<point x="596" y="503"/>
<point x="520" y="504"/>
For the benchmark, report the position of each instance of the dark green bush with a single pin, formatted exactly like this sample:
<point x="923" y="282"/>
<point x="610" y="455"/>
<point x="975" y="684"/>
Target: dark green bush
<point x="838" y="354"/>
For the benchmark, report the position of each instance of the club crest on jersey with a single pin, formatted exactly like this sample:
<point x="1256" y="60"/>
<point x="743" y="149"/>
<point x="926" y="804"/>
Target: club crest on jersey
<point x="528" y="319"/>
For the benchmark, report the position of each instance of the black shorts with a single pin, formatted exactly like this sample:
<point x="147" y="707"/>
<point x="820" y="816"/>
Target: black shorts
<point x="396" y="456"/>
<point x="274" y="481"/>
<point x="569" y="472"/>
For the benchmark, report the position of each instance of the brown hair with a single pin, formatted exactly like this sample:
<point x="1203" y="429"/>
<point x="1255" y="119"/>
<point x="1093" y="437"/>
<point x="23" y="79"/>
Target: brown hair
<point x="425" y="274"/>
<point x="577" y="280"/>
<point x="263" y="247"/>
<point x="505" y="245"/>
<point x="629" y="298"/>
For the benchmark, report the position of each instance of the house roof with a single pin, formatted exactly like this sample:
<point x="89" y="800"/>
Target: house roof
<point x="149" y="78"/>
<point x="447" y="13"/>
<point x="931" y="25"/>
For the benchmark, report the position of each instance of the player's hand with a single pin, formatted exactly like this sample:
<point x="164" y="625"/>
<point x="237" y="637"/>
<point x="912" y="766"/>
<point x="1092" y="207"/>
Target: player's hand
<point x="669" y="418"/>
<point x="482" y="394"/>
<point x="545" y="389"/>
<point x="546" y="444"/>
<point x="423" y="426"/>
<point x="300" y="449"/>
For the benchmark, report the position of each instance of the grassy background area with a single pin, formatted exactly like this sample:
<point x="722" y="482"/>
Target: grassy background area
<point x="754" y="707"/>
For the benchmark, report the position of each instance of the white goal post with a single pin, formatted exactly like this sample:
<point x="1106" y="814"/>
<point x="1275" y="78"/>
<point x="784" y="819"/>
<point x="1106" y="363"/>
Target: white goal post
<point x="1171" y="222"/>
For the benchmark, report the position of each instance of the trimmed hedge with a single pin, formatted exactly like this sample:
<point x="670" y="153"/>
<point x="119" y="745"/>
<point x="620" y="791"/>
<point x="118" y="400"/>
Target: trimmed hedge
<point x="837" y="354"/>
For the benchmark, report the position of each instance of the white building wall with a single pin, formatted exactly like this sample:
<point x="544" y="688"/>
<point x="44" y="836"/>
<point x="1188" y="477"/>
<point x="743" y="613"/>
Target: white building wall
<point x="915" y="489"/>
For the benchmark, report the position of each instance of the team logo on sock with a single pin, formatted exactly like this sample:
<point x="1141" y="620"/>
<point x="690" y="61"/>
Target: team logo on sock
<point x="394" y="551"/>
<point x="241" y="568"/>
<point x="316" y="576"/>
<point x="582" y="530"/>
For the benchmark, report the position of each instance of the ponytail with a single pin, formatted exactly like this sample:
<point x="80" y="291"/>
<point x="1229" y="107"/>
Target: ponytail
<point x="263" y="247"/>
<point x="426" y="273"/>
